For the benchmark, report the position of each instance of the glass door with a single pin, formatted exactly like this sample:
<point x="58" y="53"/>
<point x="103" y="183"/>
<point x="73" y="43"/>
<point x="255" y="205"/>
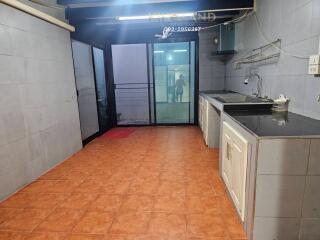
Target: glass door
<point x="174" y="80"/>
<point x="101" y="90"/>
<point x="86" y="90"/>
<point x="131" y="83"/>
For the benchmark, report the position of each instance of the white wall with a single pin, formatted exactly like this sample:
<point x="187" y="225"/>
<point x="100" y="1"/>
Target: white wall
<point x="297" y="23"/>
<point x="39" y="119"/>
<point x="211" y="69"/>
<point x="58" y="11"/>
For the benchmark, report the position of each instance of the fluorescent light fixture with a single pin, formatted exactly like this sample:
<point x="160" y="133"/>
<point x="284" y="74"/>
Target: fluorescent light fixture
<point x="160" y="51"/>
<point x="125" y="18"/>
<point x="180" y="50"/>
<point x="191" y="14"/>
<point x="156" y="16"/>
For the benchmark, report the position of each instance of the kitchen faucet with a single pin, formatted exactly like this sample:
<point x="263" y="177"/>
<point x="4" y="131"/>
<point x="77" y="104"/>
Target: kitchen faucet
<point x="259" y="84"/>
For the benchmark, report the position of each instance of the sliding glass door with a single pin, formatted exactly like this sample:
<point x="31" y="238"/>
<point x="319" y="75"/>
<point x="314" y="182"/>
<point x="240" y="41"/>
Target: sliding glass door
<point x="174" y="80"/>
<point x="131" y="81"/>
<point x="154" y="83"/>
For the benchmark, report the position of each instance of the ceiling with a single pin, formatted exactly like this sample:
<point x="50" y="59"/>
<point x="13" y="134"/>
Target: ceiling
<point x="79" y="11"/>
<point x="100" y="18"/>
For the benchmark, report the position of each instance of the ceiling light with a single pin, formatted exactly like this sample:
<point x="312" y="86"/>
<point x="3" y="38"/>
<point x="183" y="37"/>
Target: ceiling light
<point x="180" y="50"/>
<point x="156" y="16"/>
<point x="124" y="18"/>
<point x="160" y="51"/>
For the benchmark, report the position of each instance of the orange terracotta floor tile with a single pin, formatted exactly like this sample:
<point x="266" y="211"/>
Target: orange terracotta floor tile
<point x="94" y="223"/>
<point x="26" y="220"/>
<point x="47" y="236"/>
<point x="131" y="222"/>
<point x="160" y="183"/>
<point x="61" y="220"/>
<point x="106" y="203"/>
<point x="86" y="237"/>
<point x="170" y="203"/>
<point x="78" y="201"/>
<point x="138" y="203"/>
<point x="206" y="226"/>
<point x="13" y="236"/>
<point x="174" y="226"/>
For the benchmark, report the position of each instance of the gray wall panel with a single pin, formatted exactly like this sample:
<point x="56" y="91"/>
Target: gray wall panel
<point x="39" y="119"/>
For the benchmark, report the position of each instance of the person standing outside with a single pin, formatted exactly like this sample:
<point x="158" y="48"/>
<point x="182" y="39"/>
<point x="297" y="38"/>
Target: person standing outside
<point x="179" y="87"/>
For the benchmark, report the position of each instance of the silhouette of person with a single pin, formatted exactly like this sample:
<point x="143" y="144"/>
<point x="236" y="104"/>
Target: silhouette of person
<point x="179" y="87"/>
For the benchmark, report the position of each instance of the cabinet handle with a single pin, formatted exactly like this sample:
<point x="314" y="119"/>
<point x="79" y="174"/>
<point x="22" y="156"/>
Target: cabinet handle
<point x="228" y="151"/>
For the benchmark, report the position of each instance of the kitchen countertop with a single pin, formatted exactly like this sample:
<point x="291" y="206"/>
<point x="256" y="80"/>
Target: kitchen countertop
<point x="267" y="123"/>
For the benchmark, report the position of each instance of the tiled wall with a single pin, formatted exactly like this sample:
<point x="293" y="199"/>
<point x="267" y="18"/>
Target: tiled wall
<point x="211" y="69"/>
<point x="39" y="119"/>
<point x="287" y="201"/>
<point x="297" y="24"/>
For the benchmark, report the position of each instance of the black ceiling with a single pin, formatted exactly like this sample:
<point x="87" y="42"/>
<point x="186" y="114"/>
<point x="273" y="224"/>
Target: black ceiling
<point x="95" y="20"/>
<point x="79" y="15"/>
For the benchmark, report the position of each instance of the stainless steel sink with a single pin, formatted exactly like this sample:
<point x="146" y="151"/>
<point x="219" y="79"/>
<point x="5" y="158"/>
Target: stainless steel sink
<point x="238" y="98"/>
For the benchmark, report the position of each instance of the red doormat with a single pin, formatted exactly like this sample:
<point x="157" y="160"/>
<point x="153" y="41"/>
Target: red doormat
<point x="119" y="133"/>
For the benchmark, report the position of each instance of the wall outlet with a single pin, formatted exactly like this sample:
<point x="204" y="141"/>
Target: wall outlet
<point x="314" y="69"/>
<point x="314" y="60"/>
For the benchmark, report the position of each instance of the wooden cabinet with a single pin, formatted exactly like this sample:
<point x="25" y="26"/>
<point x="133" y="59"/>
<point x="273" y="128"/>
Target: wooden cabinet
<point x="234" y="166"/>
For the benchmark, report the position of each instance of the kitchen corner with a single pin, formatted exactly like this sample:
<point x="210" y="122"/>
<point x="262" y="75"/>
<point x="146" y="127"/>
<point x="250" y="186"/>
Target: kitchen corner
<point x="268" y="161"/>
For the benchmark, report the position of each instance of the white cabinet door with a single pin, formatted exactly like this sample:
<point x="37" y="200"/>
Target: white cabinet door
<point x="238" y="176"/>
<point x="234" y="165"/>
<point x="226" y="156"/>
<point x="200" y="112"/>
<point x="205" y="120"/>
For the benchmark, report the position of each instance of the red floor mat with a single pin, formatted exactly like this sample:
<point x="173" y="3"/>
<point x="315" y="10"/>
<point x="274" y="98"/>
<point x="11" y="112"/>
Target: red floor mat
<point x="119" y="133"/>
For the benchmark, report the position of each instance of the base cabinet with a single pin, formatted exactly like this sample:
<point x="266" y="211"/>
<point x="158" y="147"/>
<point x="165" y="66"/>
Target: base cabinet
<point x="273" y="182"/>
<point x="234" y="165"/>
<point x="209" y="122"/>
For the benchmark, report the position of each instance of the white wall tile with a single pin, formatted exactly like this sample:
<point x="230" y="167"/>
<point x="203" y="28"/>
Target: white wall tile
<point x="314" y="161"/>
<point x="310" y="229"/>
<point x="296" y="23"/>
<point x="311" y="202"/>
<point x="276" y="228"/>
<point x="283" y="156"/>
<point x="279" y="196"/>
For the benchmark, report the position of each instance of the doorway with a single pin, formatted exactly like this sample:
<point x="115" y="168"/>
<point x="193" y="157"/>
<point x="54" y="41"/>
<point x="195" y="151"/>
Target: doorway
<point x="131" y="84"/>
<point x="154" y="84"/>
<point x="174" y="82"/>
<point x="89" y="67"/>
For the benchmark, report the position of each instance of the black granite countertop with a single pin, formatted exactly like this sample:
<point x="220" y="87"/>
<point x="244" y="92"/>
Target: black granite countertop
<point x="267" y="123"/>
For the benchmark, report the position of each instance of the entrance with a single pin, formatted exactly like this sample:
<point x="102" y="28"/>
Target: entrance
<point x="154" y="83"/>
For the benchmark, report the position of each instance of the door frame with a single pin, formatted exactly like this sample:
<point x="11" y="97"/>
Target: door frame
<point x="110" y="78"/>
<point x="110" y="125"/>
<point x="114" y="88"/>
<point x="195" y="80"/>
